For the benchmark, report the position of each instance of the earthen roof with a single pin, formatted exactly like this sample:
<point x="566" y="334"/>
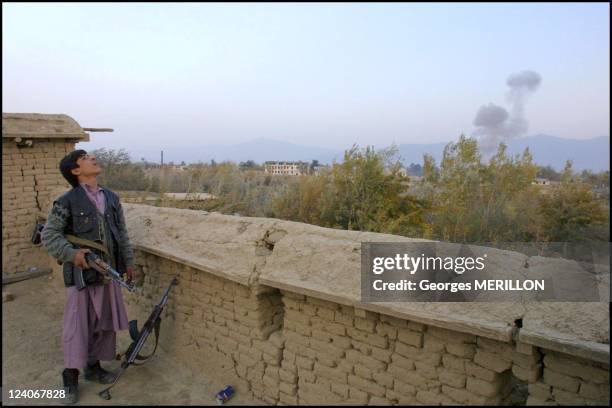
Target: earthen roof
<point x="38" y="125"/>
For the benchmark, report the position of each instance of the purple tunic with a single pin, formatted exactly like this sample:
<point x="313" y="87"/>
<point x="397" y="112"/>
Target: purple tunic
<point x="92" y="316"/>
<point x="96" y="197"/>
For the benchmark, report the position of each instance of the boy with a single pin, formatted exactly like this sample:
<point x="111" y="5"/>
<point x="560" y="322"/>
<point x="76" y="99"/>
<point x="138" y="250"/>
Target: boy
<point x="93" y="315"/>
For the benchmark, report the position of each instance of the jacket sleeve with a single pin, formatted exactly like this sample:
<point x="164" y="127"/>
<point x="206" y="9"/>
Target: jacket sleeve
<point x="52" y="235"/>
<point x="124" y="240"/>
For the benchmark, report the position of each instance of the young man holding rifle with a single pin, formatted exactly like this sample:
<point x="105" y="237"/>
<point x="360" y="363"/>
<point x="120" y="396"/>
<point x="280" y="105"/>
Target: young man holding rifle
<point x="90" y="217"/>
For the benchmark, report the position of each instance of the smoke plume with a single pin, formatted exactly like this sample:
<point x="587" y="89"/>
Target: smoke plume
<point x="494" y="124"/>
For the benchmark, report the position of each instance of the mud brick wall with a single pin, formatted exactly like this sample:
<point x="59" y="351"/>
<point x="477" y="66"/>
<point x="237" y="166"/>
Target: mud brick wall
<point x="299" y="350"/>
<point x="30" y="179"/>
<point x="278" y="303"/>
<point x="207" y="315"/>
<point x="339" y="354"/>
<point x="570" y="380"/>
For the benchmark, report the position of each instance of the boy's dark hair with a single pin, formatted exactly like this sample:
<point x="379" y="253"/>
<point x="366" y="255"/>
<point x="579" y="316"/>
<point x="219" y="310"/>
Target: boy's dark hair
<point x="68" y="163"/>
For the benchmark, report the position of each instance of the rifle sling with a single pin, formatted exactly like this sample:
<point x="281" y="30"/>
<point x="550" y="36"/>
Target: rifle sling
<point x="138" y="356"/>
<point x="88" y="243"/>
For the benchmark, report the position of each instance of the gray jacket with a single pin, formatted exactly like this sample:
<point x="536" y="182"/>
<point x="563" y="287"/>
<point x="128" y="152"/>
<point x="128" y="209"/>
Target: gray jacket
<point x="74" y="213"/>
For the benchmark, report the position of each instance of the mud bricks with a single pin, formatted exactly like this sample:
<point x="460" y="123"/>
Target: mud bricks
<point x="207" y="315"/>
<point x="30" y="176"/>
<point x="570" y="380"/>
<point x="337" y="354"/>
<point x="294" y="349"/>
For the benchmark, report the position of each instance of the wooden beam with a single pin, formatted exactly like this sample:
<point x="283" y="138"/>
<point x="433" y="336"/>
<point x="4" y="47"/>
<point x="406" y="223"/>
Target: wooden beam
<point x="35" y="273"/>
<point x="98" y="130"/>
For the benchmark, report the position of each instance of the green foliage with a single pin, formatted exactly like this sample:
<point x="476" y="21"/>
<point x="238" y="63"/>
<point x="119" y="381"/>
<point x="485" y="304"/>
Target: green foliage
<point x="572" y="212"/>
<point x="498" y="202"/>
<point x="549" y="173"/>
<point x="415" y="169"/>
<point x="464" y="199"/>
<point x="118" y="172"/>
<point x="365" y="192"/>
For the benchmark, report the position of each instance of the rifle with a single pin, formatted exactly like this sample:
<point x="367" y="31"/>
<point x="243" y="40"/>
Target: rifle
<point x="99" y="265"/>
<point x="139" y="339"/>
<point x="95" y="262"/>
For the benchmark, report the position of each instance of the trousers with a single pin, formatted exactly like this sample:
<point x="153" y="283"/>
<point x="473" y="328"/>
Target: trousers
<point x="92" y="317"/>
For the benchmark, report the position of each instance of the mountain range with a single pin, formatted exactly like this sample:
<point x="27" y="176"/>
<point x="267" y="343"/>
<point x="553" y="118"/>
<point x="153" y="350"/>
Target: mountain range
<point x="592" y="154"/>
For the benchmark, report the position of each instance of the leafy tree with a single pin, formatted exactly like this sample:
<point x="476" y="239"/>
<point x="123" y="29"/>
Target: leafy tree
<point x="118" y="172"/>
<point x="464" y="199"/>
<point x="415" y="169"/>
<point x="472" y="201"/>
<point x="572" y="212"/>
<point x="549" y="173"/>
<point x="313" y="165"/>
<point x="365" y="192"/>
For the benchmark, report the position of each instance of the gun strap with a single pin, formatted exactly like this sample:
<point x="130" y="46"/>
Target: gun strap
<point x="88" y="243"/>
<point x="156" y="326"/>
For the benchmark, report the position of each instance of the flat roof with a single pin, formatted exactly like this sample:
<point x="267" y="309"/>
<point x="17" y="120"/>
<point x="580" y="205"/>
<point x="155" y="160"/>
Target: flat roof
<point x="38" y="125"/>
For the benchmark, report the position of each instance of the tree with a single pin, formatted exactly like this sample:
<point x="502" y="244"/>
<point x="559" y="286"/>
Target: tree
<point x="549" y="173"/>
<point x="361" y="193"/>
<point x="247" y="165"/>
<point x="572" y="212"/>
<point x="118" y="172"/>
<point x="313" y="164"/>
<point x="110" y="159"/>
<point x="415" y="169"/>
<point x="471" y="201"/>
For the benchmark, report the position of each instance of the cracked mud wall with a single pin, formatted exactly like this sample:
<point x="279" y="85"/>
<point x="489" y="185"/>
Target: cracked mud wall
<point x="279" y="302"/>
<point x="30" y="181"/>
<point x="213" y="321"/>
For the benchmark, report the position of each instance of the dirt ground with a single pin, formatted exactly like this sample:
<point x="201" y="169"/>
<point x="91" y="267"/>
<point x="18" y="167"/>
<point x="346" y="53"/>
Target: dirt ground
<point x="32" y="359"/>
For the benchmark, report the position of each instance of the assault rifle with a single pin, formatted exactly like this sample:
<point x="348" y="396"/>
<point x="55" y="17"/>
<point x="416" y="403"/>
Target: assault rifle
<point x="99" y="265"/>
<point x="95" y="262"/>
<point x="139" y="338"/>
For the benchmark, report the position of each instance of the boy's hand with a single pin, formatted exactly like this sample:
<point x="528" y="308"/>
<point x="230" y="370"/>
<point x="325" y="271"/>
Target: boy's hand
<point x="79" y="259"/>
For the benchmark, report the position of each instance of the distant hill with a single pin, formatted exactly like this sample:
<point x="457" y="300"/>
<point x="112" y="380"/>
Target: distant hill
<point x="586" y="154"/>
<point x="592" y="154"/>
<point x="259" y="150"/>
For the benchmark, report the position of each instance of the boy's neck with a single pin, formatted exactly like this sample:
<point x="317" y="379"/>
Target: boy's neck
<point x="90" y="181"/>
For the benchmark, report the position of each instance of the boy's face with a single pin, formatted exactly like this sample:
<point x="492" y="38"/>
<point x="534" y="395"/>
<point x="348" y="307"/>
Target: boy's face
<point x="88" y="166"/>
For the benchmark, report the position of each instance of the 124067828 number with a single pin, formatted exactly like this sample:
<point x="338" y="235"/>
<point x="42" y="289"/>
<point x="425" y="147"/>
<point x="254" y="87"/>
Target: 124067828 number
<point x="37" y="394"/>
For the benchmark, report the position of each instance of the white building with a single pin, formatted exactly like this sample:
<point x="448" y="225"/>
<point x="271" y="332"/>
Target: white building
<point x="287" y="168"/>
<point x="541" y="181"/>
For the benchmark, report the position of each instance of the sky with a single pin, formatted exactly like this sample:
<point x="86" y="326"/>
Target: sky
<point x="187" y="74"/>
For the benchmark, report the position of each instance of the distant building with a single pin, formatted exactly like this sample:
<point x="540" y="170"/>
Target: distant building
<point x="402" y="171"/>
<point x="540" y="181"/>
<point x="286" y="168"/>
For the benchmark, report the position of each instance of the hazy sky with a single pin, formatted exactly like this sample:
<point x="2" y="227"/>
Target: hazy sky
<point x="166" y="75"/>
